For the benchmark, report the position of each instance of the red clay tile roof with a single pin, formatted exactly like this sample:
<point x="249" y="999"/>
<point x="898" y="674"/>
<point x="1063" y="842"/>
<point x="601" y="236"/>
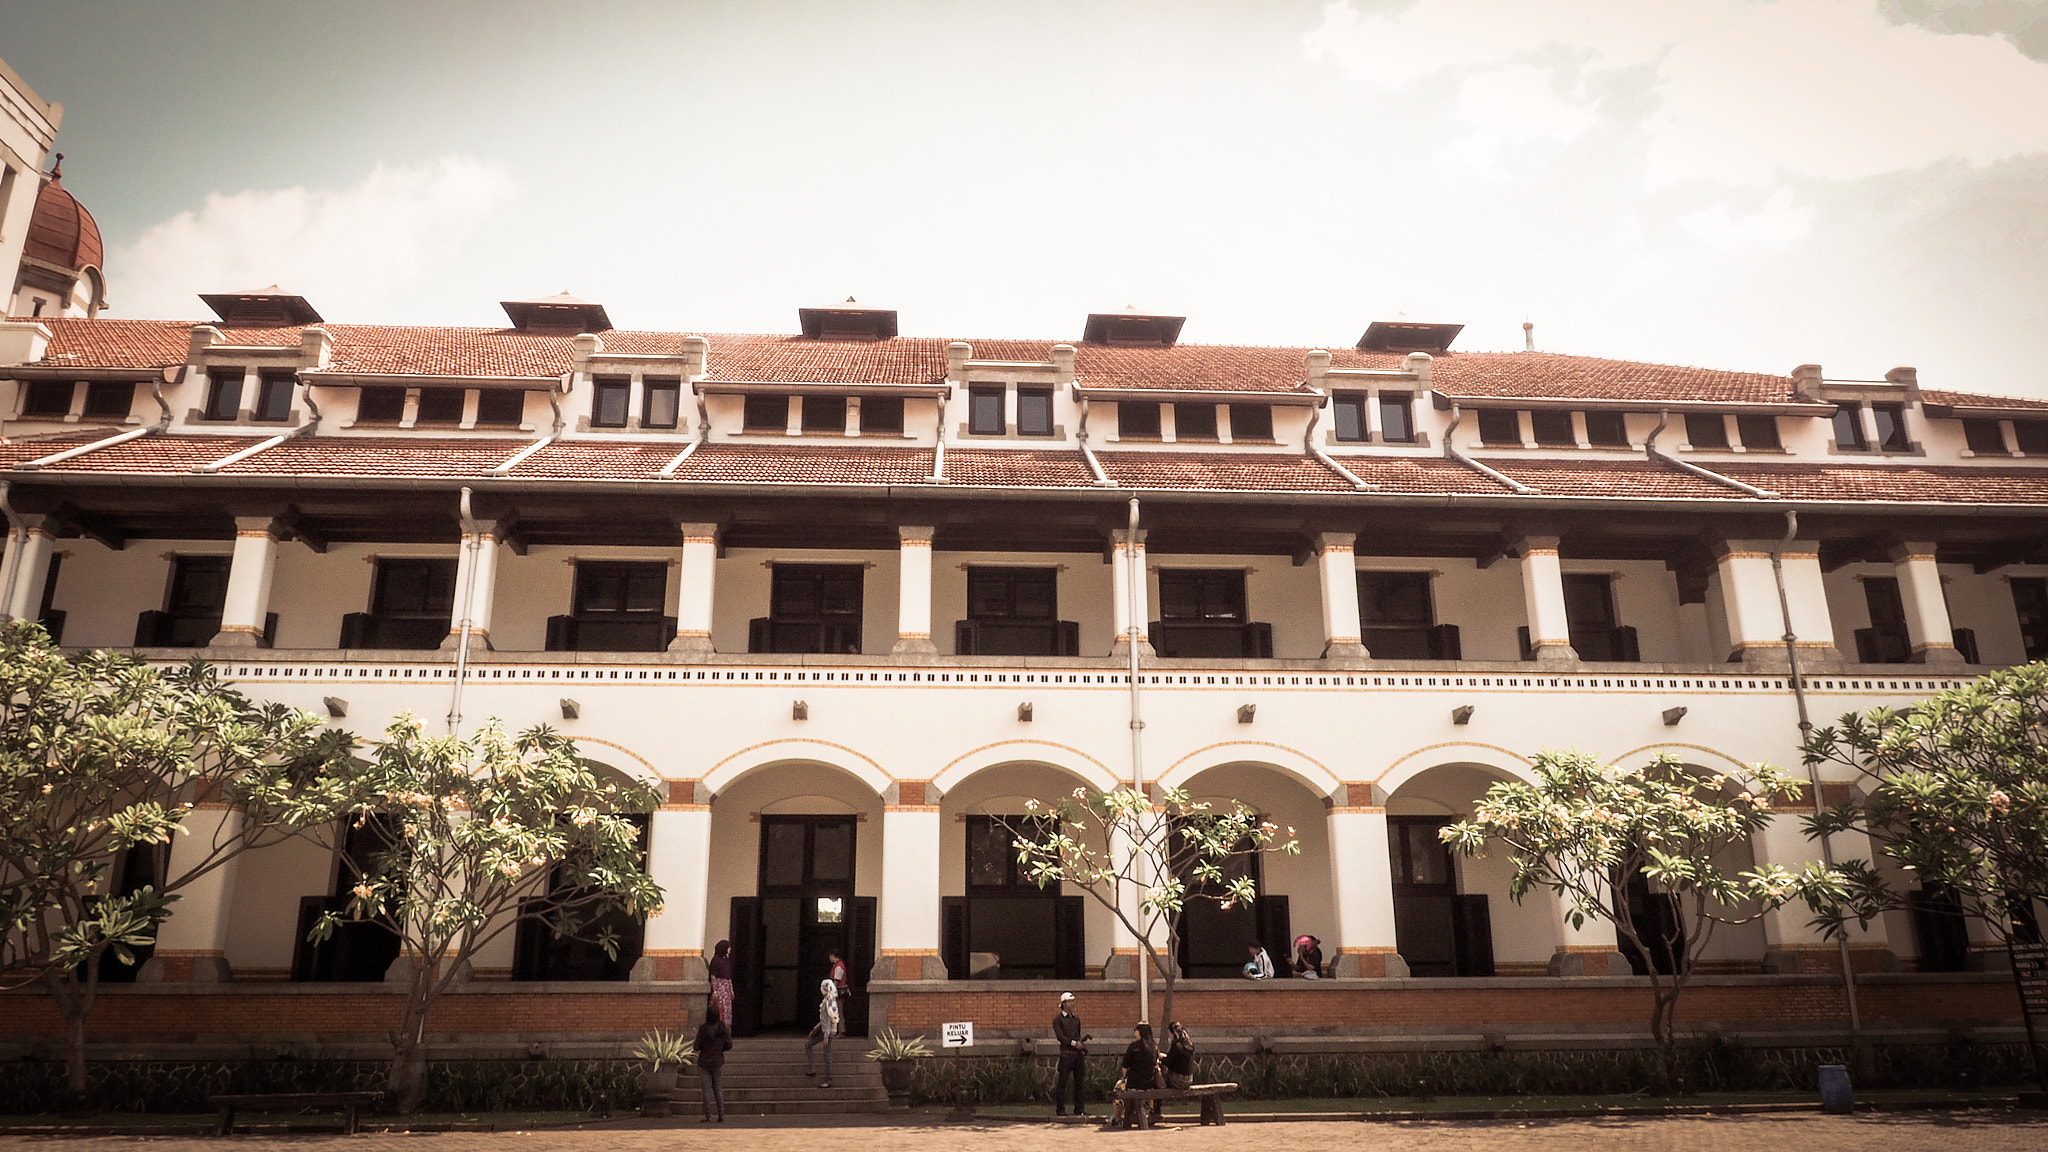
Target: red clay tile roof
<point x="798" y="359"/>
<point x="1610" y="478"/>
<point x="1931" y="396"/>
<point x="116" y="343"/>
<point x="597" y="460"/>
<point x="1913" y="483"/>
<point x="1419" y="474"/>
<point x="378" y="456"/>
<point x="158" y="454"/>
<point x="1024" y="467"/>
<point x="18" y="450"/>
<point x="1233" y="471"/>
<point x="807" y="464"/>
<point x="1550" y="374"/>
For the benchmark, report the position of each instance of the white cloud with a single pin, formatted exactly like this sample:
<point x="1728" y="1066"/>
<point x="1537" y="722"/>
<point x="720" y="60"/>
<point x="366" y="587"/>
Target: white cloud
<point x="1745" y="91"/>
<point x="346" y="250"/>
<point x="1517" y="105"/>
<point x="1775" y="226"/>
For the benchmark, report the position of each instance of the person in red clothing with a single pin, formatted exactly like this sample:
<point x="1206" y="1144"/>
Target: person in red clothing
<point x="838" y="971"/>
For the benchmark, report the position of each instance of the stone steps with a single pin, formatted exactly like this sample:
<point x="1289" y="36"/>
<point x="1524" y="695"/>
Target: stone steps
<point x="764" y="1075"/>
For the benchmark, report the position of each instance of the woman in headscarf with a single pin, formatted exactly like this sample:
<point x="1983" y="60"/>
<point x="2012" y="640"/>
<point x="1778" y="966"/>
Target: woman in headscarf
<point x="721" y="981"/>
<point x="1308" y="957"/>
<point x="828" y="1027"/>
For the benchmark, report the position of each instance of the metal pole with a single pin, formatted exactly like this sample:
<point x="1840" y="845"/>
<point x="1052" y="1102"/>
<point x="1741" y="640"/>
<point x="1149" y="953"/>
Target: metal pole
<point x="1134" y="578"/>
<point x="1827" y="852"/>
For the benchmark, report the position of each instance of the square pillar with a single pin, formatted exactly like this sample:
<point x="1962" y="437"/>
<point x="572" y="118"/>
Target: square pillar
<point x="914" y="591"/>
<point x="907" y="937"/>
<point x="28" y="558"/>
<point x="1362" y="878"/>
<point x="695" y="581"/>
<point x="249" y="576"/>
<point x="1341" y="633"/>
<point x="1927" y="624"/>
<point x="1128" y="610"/>
<point x="191" y="943"/>
<point x="478" y="561"/>
<point x="679" y="859"/>
<point x="1588" y="950"/>
<point x="1791" y="944"/>
<point x="1550" y="635"/>
<point x="1750" y="606"/>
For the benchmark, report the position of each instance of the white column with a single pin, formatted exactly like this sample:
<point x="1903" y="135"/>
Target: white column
<point x="695" y="583"/>
<point x="1587" y="950"/>
<point x="1927" y="623"/>
<point x="1749" y="601"/>
<point x="1128" y="614"/>
<point x="483" y="558"/>
<point x="1543" y="600"/>
<point x="914" y="591"/>
<point x="679" y="859"/>
<point x="1340" y="596"/>
<point x="28" y="554"/>
<point x="249" y="576"/>
<point x="191" y="944"/>
<point x="907" y="944"/>
<point x="1361" y="876"/>
<point x="1790" y="944"/>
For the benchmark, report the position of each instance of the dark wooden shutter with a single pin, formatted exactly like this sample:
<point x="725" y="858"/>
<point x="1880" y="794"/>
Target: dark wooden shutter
<point x="1276" y="932"/>
<point x="953" y="936"/>
<point x="966" y="638"/>
<point x="1472" y="926"/>
<point x="1258" y="641"/>
<point x="561" y="634"/>
<point x="859" y="963"/>
<point x="1444" y="643"/>
<point x="1069" y="640"/>
<point x="1070" y="932"/>
<point x="150" y="627"/>
<point x="746" y="965"/>
<point x="757" y="634"/>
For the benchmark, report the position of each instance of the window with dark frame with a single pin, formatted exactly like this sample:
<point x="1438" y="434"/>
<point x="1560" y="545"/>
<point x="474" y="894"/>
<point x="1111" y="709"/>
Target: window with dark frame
<point x="1202" y="595"/>
<point x="1589" y="601"/>
<point x="616" y="588"/>
<point x="881" y="416"/>
<point x="114" y="399"/>
<point x="2031" y="436"/>
<point x="2030" y="604"/>
<point x="47" y="398"/>
<point x="1553" y="429"/>
<point x="224" y="393"/>
<point x="1397" y="418"/>
<point x="1251" y="422"/>
<point x="1500" y="426"/>
<point x="441" y="406"/>
<point x="380" y="405"/>
<point x="1347" y="416"/>
<point x="992" y="867"/>
<point x="1137" y="420"/>
<point x="608" y="402"/>
<point x="1981" y="436"/>
<point x="1706" y="430"/>
<point x="414" y="588"/>
<point x="985" y="411"/>
<point x="1759" y="433"/>
<point x="1397" y="615"/>
<point x="766" y="412"/>
<point x="660" y="405"/>
<point x="1003" y="593"/>
<point x="825" y="414"/>
<point x="1196" y="422"/>
<point x="1848" y="422"/>
<point x="812" y="608"/>
<point x="1891" y="427"/>
<point x="198" y="593"/>
<point x="1606" y="430"/>
<point x="500" y="407"/>
<point x="1034" y="411"/>
<point x="274" y="396"/>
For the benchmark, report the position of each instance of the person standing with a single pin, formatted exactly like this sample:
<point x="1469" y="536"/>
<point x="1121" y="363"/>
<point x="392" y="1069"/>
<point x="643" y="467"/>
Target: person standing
<point x="838" y="972"/>
<point x="826" y="1029"/>
<point x="714" y="1040"/>
<point x="721" y="981"/>
<point x="1066" y="1028"/>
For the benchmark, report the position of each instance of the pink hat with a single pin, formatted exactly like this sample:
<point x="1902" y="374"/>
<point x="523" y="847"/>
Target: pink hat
<point x="1304" y="941"/>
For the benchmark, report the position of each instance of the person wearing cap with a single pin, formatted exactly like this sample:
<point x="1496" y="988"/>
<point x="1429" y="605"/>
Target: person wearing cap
<point x="1066" y="1028"/>
<point x="1308" y="957"/>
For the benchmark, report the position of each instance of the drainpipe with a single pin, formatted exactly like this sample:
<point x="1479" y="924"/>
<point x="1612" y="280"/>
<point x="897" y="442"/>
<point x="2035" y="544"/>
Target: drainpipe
<point x="13" y="554"/>
<point x="472" y="542"/>
<point x="668" y="470"/>
<point x="305" y="393"/>
<point x="1506" y="481"/>
<point x="1308" y="441"/>
<point x="156" y="391"/>
<point x="1102" y="479"/>
<point x="1135" y="580"/>
<point x="1827" y="852"/>
<point x="1650" y="451"/>
<point x="938" y="475"/>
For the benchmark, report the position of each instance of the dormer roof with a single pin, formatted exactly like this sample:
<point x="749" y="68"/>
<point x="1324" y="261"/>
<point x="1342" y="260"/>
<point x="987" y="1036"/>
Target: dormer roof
<point x="1408" y="336"/>
<point x="1131" y="328"/>
<point x="557" y="315"/>
<point x="849" y="321"/>
<point x="271" y="307"/>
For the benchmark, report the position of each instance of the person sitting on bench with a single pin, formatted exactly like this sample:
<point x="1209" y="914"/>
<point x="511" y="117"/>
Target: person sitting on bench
<point x="1141" y="1072"/>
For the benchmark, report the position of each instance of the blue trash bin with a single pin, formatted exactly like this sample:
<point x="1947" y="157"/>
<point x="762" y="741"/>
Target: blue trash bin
<point x="1835" y="1093"/>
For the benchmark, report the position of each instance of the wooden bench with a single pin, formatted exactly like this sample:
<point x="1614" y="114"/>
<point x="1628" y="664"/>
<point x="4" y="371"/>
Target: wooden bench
<point x="350" y="1103"/>
<point x="1137" y="1102"/>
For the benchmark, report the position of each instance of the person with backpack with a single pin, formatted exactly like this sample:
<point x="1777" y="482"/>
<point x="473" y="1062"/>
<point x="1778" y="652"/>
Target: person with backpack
<point x="1179" y="1062"/>
<point x="714" y="1040"/>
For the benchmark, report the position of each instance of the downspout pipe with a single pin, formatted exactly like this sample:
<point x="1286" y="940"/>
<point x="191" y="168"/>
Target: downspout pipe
<point x="306" y="393"/>
<point x="1135" y="580"/>
<point x="938" y="475"/>
<point x="1827" y="852"/>
<point x="472" y="543"/>
<point x="156" y="391"/>
<point x="1650" y="451"/>
<point x="668" y="470"/>
<point x="1501" y="478"/>
<point x="1308" y="441"/>
<point x="1102" y="479"/>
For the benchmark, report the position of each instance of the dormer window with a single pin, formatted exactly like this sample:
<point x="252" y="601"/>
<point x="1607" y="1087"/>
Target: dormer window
<point x="273" y="397"/>
<point x="1553" y="429"/>
<point x="1891" y="426"/>
<point x="661" y="405"/>
<point x="1759" y="433"/>
<point x="1194" y="421"/>
<point x="110" y="399"/>
<point x="223" y="393"/>
<point x="1500" y="427"/>
<point x="1034" y="411"/>
<point x="1347" y="413"/>
<point x="1397" y="419"/>
<point x="1251" y="422"/>
<point x="1706" y="430"/>
<point x="1606" y="430"/>
<point x="500" y="408"/>
<point x="825" y="414"/>
<point x="2031" y="436"/>
<point x="881" y="416"/>
<point x="985" y="411"/>
<point x="440" y="406"/>
<point x="766" y="412"/>
<point x="1849" y="429"/>
<point x="1137" y="420"/>
<point x="47" y="398"/>
<point x="380" y="405"/>
<point x="608" y="402"/>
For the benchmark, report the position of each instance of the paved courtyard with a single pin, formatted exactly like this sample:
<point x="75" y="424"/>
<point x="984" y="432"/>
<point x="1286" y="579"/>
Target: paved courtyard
<point x="1989" y="1131"/>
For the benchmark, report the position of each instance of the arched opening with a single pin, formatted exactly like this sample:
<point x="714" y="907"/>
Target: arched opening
<point x="1452" y="914"/>
<point x="995" y="922"/>
<point x="539" y="954"/>
<point x="1296" y="896"/>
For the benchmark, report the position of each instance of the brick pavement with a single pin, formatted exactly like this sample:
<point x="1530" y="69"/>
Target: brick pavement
<point x="1974" y="1131"/>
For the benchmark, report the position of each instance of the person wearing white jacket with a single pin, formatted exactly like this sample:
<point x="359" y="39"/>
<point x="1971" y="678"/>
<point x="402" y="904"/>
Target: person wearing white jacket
<point x="827" y="1028"/>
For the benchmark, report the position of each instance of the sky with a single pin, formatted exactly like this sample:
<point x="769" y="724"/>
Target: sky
<point x="1743" y="184"/>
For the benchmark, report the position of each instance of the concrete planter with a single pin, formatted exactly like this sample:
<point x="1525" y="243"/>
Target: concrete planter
<point x="658" y="1092"/>
<point x="896" y="1081"/>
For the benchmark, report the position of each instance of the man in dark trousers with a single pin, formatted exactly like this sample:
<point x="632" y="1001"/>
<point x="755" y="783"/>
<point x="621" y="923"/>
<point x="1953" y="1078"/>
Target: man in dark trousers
<point x="1066" y="1028"/>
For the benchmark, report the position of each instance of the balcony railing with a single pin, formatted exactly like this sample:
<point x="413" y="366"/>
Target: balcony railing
<point x="834" y="637"/>
<point x="592" y="634"/>
<point x="1413" y="641"/>
<point x="1202" y="640"/>
<point x="1893" y="646"/>
<point x="1606" y="644"/>
<point x="1017" y="638"/>
<point x="395" y="633"/>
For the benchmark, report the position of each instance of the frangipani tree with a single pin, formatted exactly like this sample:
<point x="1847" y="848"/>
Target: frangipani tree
<point x="101" y="754"/>
<point x="1145" y="861"/>
<point x="1582" y="829"/>
<point x="481" y="833"/>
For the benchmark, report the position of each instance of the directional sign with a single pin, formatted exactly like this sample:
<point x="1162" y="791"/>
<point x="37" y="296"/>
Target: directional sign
<point x="959" y="1035"/>
<point x="2030" y="972"/>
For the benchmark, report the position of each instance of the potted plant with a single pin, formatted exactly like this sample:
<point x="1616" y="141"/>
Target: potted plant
<point x="658" y="1086"/>
<point x="896" y="1056"/>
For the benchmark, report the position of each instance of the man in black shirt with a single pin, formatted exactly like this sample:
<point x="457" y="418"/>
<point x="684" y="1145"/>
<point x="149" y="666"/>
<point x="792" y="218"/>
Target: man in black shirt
<point x="1066" y="1028"/>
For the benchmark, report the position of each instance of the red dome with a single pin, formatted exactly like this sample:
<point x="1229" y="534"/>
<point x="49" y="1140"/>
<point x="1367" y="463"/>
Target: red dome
<point x="62" y="232"/>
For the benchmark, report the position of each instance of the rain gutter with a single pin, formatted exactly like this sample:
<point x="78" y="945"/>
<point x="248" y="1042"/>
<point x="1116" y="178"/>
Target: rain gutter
<point x="1451" y="452"/>
<point x="1650" y="451"/>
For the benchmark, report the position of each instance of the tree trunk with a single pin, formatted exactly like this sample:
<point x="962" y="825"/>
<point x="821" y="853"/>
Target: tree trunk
<point x="74" y="999"/>
<point x="407" y="1079"/>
